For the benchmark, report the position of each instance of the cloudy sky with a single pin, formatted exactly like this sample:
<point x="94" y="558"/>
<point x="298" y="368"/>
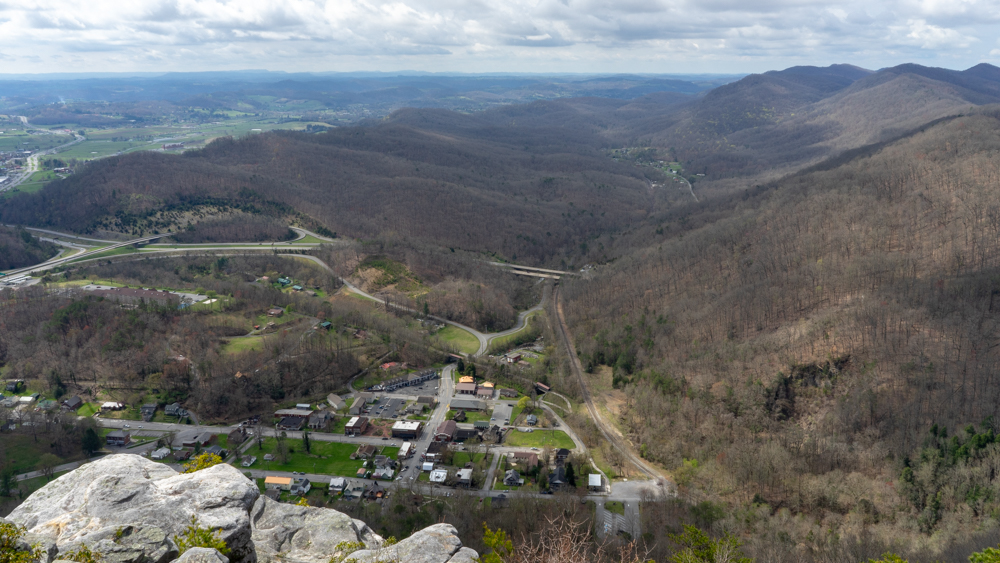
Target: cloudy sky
<point x="656" y="36"/>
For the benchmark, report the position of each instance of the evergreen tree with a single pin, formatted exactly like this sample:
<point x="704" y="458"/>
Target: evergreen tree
<point x="305" y="440"/>
<point x="90" y="442"/>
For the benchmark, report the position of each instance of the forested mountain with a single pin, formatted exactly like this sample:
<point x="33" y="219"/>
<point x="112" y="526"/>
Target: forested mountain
<point x="803" y="340"/>
<point x="18" y="249"/>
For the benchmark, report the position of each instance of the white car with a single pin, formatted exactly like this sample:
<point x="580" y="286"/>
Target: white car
<point x="126" y="426"/>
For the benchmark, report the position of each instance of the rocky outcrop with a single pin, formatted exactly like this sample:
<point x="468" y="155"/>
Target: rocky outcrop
<point x="130" y="509"/>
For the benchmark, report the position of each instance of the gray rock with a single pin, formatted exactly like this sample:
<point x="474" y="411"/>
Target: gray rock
<point x="302" y="534"/>
<point x="464" y="555"/>
<point x="128" y="544"/>
<point x="434" y="544"/>
<point x="202" y="555"/>
<point x="90" y="504"/>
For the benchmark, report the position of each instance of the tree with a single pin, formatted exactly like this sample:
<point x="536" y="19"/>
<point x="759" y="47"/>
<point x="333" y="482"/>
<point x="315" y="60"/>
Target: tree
<point x="305" y="440"/>
<point x="11" y="546"/>
<point x="988" y="555"/>
<point x="202" y="461"/>
<point x="697" y="547"/>
<point x="570" y="475"/>
<point x="90" y="442"/>
<point x="47" y="464"/>
<point x="7" y="482"/>
<point x="196" y="536"/>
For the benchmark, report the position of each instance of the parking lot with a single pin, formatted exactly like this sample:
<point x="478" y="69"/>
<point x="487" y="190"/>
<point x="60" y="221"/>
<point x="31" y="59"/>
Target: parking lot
<point x="502" y="412"/>
<point x="390" y="409"/>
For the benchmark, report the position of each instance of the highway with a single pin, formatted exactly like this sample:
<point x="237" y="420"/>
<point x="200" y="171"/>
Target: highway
<point x="32" y="164"/>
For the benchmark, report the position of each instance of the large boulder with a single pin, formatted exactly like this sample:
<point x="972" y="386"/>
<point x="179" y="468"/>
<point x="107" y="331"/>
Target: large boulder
<point x="202" y="555"/>
<point x="99" y="500"/>
<point x="303" y="534"/>
<point x="434" y="544"/>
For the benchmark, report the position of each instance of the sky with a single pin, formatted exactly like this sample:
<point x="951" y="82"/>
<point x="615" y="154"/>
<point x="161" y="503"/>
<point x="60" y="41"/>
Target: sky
<point x="580" y="36"/>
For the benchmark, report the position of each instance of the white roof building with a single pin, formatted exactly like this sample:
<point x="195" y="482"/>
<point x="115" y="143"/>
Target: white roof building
<point x="594" y="480"/>
<point x="439" y="475"/>
<point x="427" y="466"/>
<point x="405" y="451"/>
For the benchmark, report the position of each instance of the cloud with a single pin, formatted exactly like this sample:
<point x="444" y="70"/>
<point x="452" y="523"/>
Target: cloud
<point x="512" y="35"/>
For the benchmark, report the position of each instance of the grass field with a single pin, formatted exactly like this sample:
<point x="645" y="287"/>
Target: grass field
<point x="463" y="340"/>
<point x="238" y="345"/>
<point x="615" y="506"/>
<point x="539" y="439"/>
<point x="23" y="452"/>
<point x="461" y="458"/>
<point x="327" y="458"/>
<point x="88" y="409"/>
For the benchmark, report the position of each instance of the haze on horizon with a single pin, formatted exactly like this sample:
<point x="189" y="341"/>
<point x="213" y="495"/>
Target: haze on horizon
<point x="592" y="36"/>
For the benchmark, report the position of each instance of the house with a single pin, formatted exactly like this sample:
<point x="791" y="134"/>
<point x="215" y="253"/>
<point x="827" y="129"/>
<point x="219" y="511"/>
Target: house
<point x="428" y="401"/>
<point x="356" y="426"/>
<point x="435" y="450"/>
<point x="532" y="420"/>
<point x="111" y="406"/>
<point x="464" y="431"/>
<point x="354" y="489"/>
<point x="366" y="398"/>
<point x="385" y="473"/>
<point x="336" y="401"/>
<point x="557" y="479"/>
<point x="47" y="405"/>
<point x="356" y="408"/>
<point x="494" y="435"/>
<point x="407" y="430"/>
<point x="405" y="451"/>
<point x="275" y="312"/>
<point x="465" y="477"/>
<point x="161" y="453"/>
<point x="362" y="473"/>
<point x="182" y="455"/>
<point x="438" y="476"/>
<point x="374" y="492"/>
<point x="300" y="486"/>
<point x="481" y="425"/>
<point x="174" y="409"/>
<point x="217" y="450"/>
<point x="508" y="393"/>
<point x="268" y="457"/>
<point x="527" y="459"/>
<point x="248" y="460"/>
<point x="291" y="423"/>
<point x="284" y="281"/>
<point x="320" y="419"/>
<point x="73" y="403"/>
<point x="561" y="455"/>
<point x="467" y="405"/>
<point x="147" y="411"/>
<point x="459" y="416"/>
<point x="14" y="385"/>
<point x="278" y="483"/>
<point x="119" y="438"/>
<point x="325" y="325"/>
<point x="297" y="287"/>
<point x="273" y="494"/>
<point x="594" y="483"/>
<point x="484" y="392"/>
<point x="465" y="389"/>
<point x="512" y="358"/>
<point x="304" y="406"/>
<point x="512" y="479"/>
<point x="364" y="451"/>
<point x="196" y="439"/>
<point x="337" y="484"/>
<point x="446" y="431"/>
<point x="237" y="437"/>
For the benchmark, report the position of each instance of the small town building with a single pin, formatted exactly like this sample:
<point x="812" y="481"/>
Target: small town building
<point x="427" y="466"/>
<point x="527" y="459"/>
<point x="196" y="439"/>
<point x="425" y="400"/>
<point x="435" y="451"/>
<point x="405" y="451"/>
<point x="111" y="406"/>
<point x="174" y="409"/>
<point x="275" y="312"/>
<point x="182" y="455"/>
<point x="465" y="389"/>
<point x="159" y="454"/>
<point x="464" y="431"/>
<point x="364" y="451"/>
<point x="295" y="413"/>
<point x="407" y="430"/>
<point x="561" y="455"/>
<point x="278" y="483"/>
<point x="446" y="431"/>
<point x="291" y="423"/>
<point x="356" y="426"/>
<point x="320" y="419"/>
<point x="532" y="420"/>
<point x="217" y="450"/>
<point x="336" y="401"/>
<point x="248" y="460"/>
<point x="484" y="392"/>
<point x="465" y="477"/>
<point x="300" y="486"/>
<point x="438" y="476"/>
<point x="338" y="484"/>
<point x="148" y="411"/>
<point x="119" y="438"/>
<point x="512" y="479"/>
<point x="73" y="403"/>
<point x="594" y="482"/>
<point x="467" y="405"/>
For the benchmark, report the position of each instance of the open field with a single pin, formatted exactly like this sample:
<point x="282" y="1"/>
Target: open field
<point x="463" y="340"/>
<point x="539" y="439"/>
<point x="237" y="345"/>
<point x="23" y="452"/>
<point x="328" y="458"/>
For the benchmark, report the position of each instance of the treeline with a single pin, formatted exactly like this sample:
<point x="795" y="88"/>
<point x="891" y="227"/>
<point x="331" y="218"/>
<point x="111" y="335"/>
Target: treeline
<point x="792" y="349"/>
<point x="237" y="227"/>
<point x="18" y="249"/>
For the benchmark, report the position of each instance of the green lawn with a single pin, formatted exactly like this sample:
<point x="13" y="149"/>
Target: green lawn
<point x="615" y="506"/>
<point x="23" y="452"/>
<point x="237" y="345"/>
<point x="29" y="486"/>
<point x="539" y="439"/>
<point x="88" y="409"/>
<point x="463" y="340"/>
<point x="475" y="416"/>
<point x="501" y="341"/>
<point x="327" y="458"/>
<point x="461" y="458"/>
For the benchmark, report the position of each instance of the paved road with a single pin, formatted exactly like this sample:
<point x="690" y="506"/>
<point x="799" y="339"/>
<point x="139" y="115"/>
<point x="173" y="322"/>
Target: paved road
<point x="33" y="164"/>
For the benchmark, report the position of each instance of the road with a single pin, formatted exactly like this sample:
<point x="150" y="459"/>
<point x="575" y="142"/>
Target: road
<point x="609" y="434"/>
<point x="32" y="165"/>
